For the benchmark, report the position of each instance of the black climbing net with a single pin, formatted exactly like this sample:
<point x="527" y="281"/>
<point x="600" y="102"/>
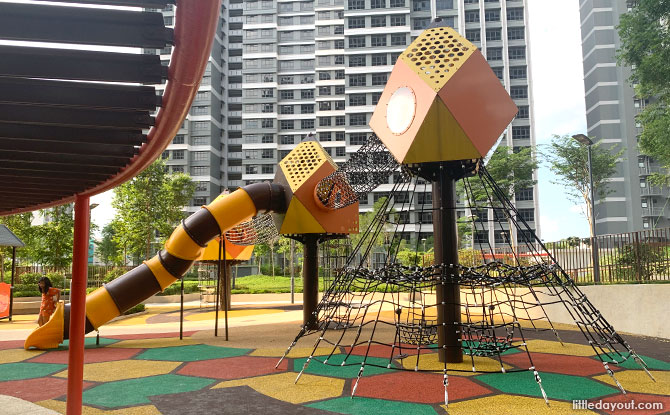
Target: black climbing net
<point x="388" y="314"/>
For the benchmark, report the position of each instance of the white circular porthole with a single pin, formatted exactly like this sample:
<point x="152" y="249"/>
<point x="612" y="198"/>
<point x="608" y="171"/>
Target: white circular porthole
<point x="400" y="110"/>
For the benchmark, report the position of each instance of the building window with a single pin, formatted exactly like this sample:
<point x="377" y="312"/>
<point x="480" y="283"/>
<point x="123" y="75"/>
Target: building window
<point x="518" y="92"/>
<point x="286" y="94"/>
<point x="357" y="41"/>
<point x="324" y="76"/>
<point x="307" y="93"/>
<point x="356" y="22"/>
<point x="356" y="4"/>
<point x="356" y="100"/>
<point x="397" y="3"/>
<point x="473" y="35"/>
<point x="267" y="154"/>
<point x="498" y="71"/>
<point x="517" y="52"/>
<point x="324" y="90"/>
<point x="340" y="120"/>
<point x="339" y="136"/>
<point x="251" y="169"/>
<point x="177" y="154"/>
<point x="527" y="214"/>
<point x="201" y="140"/>
<point x="340" y="152"/>
<point x="201" y="186"/>
<point x="267" y="139"/>
<point x="515" y="14"/>
<point x="307" y="124"/>
<point x="524" y="194"/>
<point x="377" y="4"/>
<point x="199" y="201"/>
<point x="178" y="139"/>
<point x="325" y="136"/>
<point x="516" y="33"/>
<point x="267" y="108"/>
<point x="357" y="119"/>
<point x="357" y="139"/>
<point x="517" y="72"/>
<point x="492" y="15"/>
<point x="398" y="20"/>
<point x="375" y="97"/>
<point x="200" y="125"/>
<point x="200" y="171"/>
<point x="358" y="80"/>
<point x="356" y="61"/>
<point x="324" y="106"/>
<point x="472" y="16"/>
<point x="286" y="124"/>
<point x="420" y="23"/>
<point x="286" y="139"/>
<point x="324" y="122"/>
<point x="493" y="35"/>
<point x="481" y="237"/>
<point x="378" y="40"/>
<point x="521" y="132"/>
<point x="286" y="80"/>
<point x="200" y="155"/>
<point x="267" y="123"/>
<point x="523" y="112"/>
<point x="378" y="21"/>
<point x="267" y="169"/>
<point x="379" y="60"/>
<point x="494" y="54"/>
<point x="379" y="79"/>
<point x="501" y="237"/>
<point x="339" y="89"/>
<point x="307" y="109"/>
<point x="286" y="109"/>
<point x="398" y="39"/>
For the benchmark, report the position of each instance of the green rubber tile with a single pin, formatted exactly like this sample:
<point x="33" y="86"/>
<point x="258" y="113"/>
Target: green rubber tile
<point x="19" y="371"/>
<point x="191" y="353"/>
<point x="333" y="367"/>
<point x="89" y="343"/>
<point x="136" y="391"/>
<point x="365" y="406"/>
<point x="654" y="364"/>
<point x="556" y="386"/>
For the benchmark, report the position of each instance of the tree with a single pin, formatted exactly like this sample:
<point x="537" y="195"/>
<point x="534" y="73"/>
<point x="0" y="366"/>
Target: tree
<point x="365" y="220"/>
<point x="108" y="249"/>
<point x="20" y="225"/>
<point x="568" y="160"/>
<point x="645" y="47"/>
<point x="51" y="242"/>
<point x="148" y="206"/>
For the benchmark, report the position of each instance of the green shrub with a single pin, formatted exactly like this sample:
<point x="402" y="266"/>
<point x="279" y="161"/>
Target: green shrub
<point x="30" y="278"/>
<point x="113" y="274"/>
<point x="57" y="279"/>
<point x="26" y="290"/>
<point x="189" y="287"/>
<point x="640" y="261"/>
<point x="137" y="309"/>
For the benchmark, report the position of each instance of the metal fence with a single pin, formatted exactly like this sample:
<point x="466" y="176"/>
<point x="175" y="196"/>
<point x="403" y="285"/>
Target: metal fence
<point x="96" y="273"/>
<point x="634" y="257"/>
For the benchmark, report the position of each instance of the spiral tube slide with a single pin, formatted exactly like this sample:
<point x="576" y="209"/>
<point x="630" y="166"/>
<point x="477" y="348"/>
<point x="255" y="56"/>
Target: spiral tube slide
<point x="183" y="247"/>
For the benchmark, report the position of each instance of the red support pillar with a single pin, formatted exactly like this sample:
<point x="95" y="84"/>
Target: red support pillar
<point x="75" y="372"/>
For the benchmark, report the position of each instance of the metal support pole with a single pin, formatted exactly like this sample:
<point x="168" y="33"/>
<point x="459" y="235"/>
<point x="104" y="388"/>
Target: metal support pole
<point x="594" y="239"/>
<point x="218" y="282"/>
<point x="11" y="283"/>
<point x="310" y="280"/>
<point x="78" y="305"/>
<point x="181" y="311"/>
<point x="225" y="287"/>
<point x="446" y="252"/>
<point x="292" y="266"/>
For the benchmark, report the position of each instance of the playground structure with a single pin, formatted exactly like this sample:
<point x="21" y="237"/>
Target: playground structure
<point x="440" y="114"/>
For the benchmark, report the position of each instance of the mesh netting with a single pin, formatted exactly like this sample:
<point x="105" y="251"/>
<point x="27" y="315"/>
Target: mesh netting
<point x="258" y="229"/>
<point x="363" y="172"/>
<point x="390" y="310"/>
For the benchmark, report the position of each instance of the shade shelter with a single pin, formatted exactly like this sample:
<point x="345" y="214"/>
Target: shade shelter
<point x="8" y="238"/>
<point x="76" y="121"/>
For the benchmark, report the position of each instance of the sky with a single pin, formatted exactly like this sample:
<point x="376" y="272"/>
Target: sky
<point x="558" y="103"/>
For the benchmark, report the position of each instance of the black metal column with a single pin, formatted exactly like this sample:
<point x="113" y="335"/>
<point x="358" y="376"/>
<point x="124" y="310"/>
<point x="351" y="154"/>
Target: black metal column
<point x="11" y="283"/>
<point x="445" y="233"/>
<point x="310" y="280"/>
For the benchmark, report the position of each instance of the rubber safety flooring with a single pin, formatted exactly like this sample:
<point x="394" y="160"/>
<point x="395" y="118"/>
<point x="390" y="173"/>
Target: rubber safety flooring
<point x="158" y="373"/>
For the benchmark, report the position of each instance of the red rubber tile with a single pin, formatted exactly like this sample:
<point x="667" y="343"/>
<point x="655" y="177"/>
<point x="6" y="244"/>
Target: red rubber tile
<point x="234" y="367"/>
<point x="90" y="355"/>
<point x="632" y="401"/>
<point x="38" y="389"/>
<point x="11" y="344"/>
<point x="384" y="351"/>
<point x="149" y="335"/>
<point x="417" y="387"/>
<point x="554" y="363"/>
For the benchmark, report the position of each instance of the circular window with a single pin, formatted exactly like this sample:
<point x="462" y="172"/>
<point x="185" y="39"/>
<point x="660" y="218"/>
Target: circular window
<point x="400" y="110"/>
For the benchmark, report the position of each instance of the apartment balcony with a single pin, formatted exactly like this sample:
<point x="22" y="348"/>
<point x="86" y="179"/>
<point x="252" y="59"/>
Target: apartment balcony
<point x="235" y="155"/>
<point x="647" y="170"/>
<point x="654" y="191"/>
<point x="653" y="212"/>
<point x="233" y="141"/>
<point x="235" y="32"/>
<point x="235" y="183"/>
<point x="234" y="169"/>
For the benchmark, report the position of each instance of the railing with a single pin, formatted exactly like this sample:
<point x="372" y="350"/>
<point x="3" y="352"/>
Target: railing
<point x="653" y="211"/>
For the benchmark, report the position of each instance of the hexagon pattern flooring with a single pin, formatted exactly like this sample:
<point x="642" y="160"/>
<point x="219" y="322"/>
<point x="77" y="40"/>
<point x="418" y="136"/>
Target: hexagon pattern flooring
<point x="154" y="374"/>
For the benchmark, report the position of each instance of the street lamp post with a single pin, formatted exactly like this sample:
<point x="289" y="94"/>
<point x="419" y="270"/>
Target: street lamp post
<point x="586" y="141"/>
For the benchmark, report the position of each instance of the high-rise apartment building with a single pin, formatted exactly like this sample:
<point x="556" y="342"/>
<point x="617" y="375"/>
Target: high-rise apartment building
<point x="633" y="203"/>
<point x="208" y="146"/>
<point x="320" y="66"/>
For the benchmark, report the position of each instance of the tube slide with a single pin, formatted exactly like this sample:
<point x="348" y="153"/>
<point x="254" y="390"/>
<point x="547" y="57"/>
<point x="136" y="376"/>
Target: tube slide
<point x="184" y="246"/>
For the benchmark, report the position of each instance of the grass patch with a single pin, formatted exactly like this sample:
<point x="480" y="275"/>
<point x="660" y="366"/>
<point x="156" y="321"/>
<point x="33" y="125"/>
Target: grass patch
<point x="260" y="284"/>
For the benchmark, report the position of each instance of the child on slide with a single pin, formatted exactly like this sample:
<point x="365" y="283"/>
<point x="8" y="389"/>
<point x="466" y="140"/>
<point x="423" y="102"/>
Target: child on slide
<point x="50" y="297"/>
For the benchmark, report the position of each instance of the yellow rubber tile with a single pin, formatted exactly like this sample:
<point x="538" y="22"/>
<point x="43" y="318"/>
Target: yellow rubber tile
<point x="295" y="353"/>
<point x="512" y="405"/>
<point x="570" y="349"/>
<point x="60" y="406"/>
<point x="18" y="355"/>
<point x="639" y="381"/>
<point x="132" y="321"/>
<point x="431" y="362"/>
<point x="231" y="314"/>
<point x="124" y="369"/>
<point x="281" y="386"/>
<point x="153" y="343"/>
